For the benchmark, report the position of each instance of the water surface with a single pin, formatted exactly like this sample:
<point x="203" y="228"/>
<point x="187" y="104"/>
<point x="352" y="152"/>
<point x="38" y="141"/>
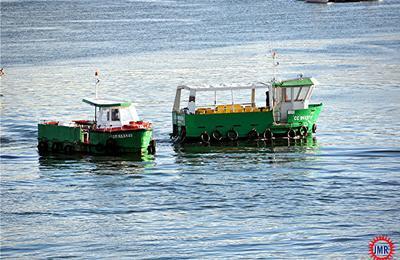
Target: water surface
<point x="327" y="197"/>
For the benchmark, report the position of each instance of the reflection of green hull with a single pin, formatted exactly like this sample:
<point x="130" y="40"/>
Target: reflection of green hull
<point x="306" y="144"/>
<point x="193" y="125"/>
<point x="67" y="139"/>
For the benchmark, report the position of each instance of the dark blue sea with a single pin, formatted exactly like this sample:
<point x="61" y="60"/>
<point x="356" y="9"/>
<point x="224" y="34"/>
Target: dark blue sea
<point x="322" y="199"/>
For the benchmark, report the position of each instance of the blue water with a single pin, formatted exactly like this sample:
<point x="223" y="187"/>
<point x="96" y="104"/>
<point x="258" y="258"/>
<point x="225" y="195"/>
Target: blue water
<point x="325" y="198"/>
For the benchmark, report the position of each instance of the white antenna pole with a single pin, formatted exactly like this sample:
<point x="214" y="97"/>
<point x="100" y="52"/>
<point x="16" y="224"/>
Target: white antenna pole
<point x="274" y="65"/>
<point x="97" y="82"/>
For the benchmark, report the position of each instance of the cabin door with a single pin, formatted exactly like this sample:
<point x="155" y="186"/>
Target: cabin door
<point x="85" y="137"/>
<point x="283" y="104"/>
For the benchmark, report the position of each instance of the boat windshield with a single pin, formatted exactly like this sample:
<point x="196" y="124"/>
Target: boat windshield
<point x="296" y="93"/>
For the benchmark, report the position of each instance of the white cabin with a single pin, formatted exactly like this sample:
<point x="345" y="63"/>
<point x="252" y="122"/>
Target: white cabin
<point x="111" y="113"/>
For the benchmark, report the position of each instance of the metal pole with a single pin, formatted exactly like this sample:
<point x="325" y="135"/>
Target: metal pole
<point x="96" y="74"/>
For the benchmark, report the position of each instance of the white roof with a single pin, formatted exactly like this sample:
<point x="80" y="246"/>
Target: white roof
<point x="106" y="103"/>
<point x="224" y="86"/>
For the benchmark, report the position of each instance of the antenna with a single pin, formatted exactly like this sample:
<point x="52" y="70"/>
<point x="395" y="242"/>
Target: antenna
<point x="274" y="65"/>
<point x="97" y="81"/>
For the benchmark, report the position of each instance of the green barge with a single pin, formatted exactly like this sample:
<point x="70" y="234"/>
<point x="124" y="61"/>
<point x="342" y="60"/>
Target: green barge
<point x="285" y="112"/>
<point x="116" y="129"/>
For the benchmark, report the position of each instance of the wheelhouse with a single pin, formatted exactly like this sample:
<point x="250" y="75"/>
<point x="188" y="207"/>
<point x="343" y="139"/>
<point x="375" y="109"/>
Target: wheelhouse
<point x="109" y="113"/>
<point x="290" y="95"/>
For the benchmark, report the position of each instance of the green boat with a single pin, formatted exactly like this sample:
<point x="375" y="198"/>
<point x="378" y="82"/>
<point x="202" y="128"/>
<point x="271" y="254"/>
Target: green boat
<point x="116" y="129"/>
<point x="285" y="112"/>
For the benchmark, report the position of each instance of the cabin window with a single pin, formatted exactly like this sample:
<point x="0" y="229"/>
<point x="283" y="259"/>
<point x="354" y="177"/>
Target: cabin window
<point x="296" y="93"/>
<point x="288" y="94"/>
<point x="115" y="115"/>
<point x="301" y="96"/>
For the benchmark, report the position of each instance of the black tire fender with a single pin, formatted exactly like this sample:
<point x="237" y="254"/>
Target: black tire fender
<point x="216" y="134"/>
<point x="232" y="135"/>
<point x="43" y="146"/>
<point x="205" y="137"/>
<point x="314" y="128"/>
<point x="268" y="134"/>
<point x="291" y="133"/>
<point x="56" y="147"/>
<point x="151" y="149"/>
<point x="253" y="134"/>
<point x="303" y="130"/>
<point x="99" y="147"/>
<point x="69" y="149"/>
<point x="111" y="146"/>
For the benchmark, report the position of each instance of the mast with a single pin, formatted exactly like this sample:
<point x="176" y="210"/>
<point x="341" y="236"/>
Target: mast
<point x="97" y="82"/>
<point x="274" y="65"/>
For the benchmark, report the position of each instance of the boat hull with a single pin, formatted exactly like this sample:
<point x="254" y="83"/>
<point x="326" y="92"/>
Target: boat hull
<point x="247" y="125"/>
<point x="67" y="139"/>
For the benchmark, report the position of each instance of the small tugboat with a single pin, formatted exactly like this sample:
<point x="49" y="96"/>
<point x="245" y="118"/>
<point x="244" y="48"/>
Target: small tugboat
<point x="286" y="112"/>
<point x="116" y="129"/>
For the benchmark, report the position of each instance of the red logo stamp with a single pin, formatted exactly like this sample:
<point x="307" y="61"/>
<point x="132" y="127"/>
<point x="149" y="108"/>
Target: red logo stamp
<point x="381" y="248"/>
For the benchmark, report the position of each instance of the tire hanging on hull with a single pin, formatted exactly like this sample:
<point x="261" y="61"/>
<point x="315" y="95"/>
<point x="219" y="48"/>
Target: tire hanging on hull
<point x="314" y="128"/>
<point x="111" y="146"/>
<point x="303" y="131"/>
<point x="69" y="149"/>
<point x="291" y="134"/>
<point x="268" y="135"/>
<point x="232" y="135"/>
<point x="217" y="135"/>
<point x="205" y="137"/>
<point x="151" y="149"/>
<point x="56" y="147"/>
<point x="43" y="147"/>
<point x="253" y="134"/>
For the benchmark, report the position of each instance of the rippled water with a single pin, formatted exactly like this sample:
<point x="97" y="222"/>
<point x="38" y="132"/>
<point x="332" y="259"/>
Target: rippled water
<point x="327" y="197"/>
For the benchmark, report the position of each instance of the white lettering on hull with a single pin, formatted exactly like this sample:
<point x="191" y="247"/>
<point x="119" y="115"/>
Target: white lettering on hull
<point x="119" y="136"/>
<point x="297" y="118"/>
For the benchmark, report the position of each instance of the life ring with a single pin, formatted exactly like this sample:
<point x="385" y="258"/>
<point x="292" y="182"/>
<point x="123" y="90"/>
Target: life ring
<point x="291" y="133"/>
<point x="69" y="149"/>
<point x="111" y="146"/>
<point x="151" y="149"/>
<point x="232" y="135"/>
<point x="56" y="147"/>
<point x="253" y="134"/>
<point x="268" y="135"/>
<point x="43" y="146"/>
<point x="217" y="135"/>
<point x="205" y="137"/>
<point x="314" y="128"/>
<point x="303" y="130"/>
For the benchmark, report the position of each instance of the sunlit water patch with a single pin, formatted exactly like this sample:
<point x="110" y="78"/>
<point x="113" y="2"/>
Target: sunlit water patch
<point x="325" y="197"/>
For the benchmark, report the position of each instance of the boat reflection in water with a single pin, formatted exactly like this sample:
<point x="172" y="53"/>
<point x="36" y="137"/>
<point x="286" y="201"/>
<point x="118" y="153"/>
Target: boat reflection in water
<point x="78" y="163"/>
<point x="275" y="152"/>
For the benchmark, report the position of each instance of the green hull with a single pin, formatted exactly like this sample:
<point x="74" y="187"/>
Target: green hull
<point x="67" y="139"/>
<point x="192" y="126"/>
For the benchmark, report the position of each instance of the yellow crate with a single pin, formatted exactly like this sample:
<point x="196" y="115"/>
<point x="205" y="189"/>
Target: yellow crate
<point x="248" y="109"/>
<point x="201" y="110"/>
<point x="210" y="111"/>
